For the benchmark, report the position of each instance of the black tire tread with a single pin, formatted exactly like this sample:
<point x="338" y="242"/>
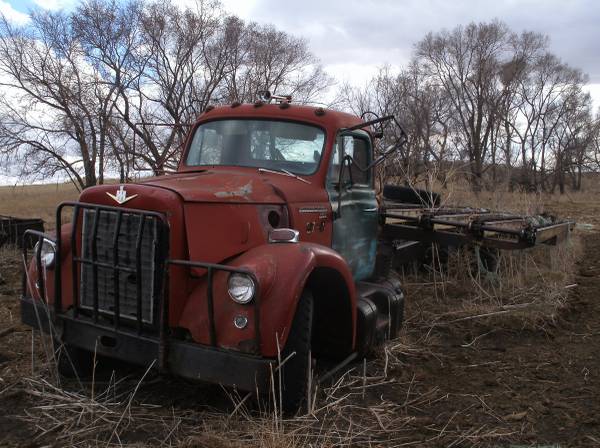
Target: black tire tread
<point x="295" y="370"/>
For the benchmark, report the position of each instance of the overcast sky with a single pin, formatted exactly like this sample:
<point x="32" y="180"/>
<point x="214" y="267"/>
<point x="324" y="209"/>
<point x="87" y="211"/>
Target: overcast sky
<point x="354" y="37"/>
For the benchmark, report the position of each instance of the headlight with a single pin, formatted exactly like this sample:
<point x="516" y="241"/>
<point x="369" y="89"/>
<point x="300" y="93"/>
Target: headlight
<point x="241" y="288"/>
<point x="48" y="254"/>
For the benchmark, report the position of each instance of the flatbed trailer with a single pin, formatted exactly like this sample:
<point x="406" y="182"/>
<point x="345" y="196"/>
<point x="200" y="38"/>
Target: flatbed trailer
<point x="410" y="228"/>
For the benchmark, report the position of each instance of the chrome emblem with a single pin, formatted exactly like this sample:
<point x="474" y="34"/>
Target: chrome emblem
<point x="121" y="196"/>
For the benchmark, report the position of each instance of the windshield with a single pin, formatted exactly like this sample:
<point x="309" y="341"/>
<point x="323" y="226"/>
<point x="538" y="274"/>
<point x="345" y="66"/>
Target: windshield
<point x="276" y="145"/>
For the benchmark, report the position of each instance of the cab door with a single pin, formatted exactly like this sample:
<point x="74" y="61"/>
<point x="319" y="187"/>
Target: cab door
<point x="353" y="203"/>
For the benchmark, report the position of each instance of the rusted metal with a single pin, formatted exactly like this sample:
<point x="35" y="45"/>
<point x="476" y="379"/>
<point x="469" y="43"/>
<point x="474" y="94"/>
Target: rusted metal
<point x="210" y="268"/>
<point x="460" y="226"/>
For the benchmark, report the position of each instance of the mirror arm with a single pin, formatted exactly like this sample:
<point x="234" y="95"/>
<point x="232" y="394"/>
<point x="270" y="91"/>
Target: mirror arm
<point x="369" y="123"/>
<point x="346" y="160"/>
<point x="392" y="149"/>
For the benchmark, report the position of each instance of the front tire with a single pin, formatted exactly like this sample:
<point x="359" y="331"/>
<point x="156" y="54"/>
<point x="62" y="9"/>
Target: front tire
<point x="295" y="370"/>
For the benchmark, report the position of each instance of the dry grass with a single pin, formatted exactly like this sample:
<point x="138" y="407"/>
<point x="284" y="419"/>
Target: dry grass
<point x="528" y="290"/>
<point x="35" y="201"/>
<point x="341" y="415"/>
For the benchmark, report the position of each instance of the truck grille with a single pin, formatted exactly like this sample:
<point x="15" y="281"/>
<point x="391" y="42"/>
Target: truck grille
<point x="126" y="261"/>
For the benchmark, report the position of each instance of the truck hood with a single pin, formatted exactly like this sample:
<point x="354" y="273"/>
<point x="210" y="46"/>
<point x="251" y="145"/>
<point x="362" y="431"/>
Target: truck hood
<point x="224" y="186"/>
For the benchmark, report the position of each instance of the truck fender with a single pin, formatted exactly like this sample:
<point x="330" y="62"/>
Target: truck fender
<point x="32" y="275"/>
<point x="283" y="270"/>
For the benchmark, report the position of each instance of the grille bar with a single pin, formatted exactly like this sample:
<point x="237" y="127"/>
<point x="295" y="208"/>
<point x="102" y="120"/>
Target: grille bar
<point x="94" y="265"/>
<point x="73" y="261"/>
<point x="138" y="275"/>
<point x="115" y="242"/>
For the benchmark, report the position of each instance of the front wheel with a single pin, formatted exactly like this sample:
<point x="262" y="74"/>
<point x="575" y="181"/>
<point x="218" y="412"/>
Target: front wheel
<point x="298" y="347"/>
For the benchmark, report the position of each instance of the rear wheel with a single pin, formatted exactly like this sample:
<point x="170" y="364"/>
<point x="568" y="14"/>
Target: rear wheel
<point x="298" y="346"/>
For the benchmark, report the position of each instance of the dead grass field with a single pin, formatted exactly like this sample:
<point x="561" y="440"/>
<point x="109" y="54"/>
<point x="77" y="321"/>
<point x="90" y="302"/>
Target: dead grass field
<point x="35" y="201"/>
<point x="502" y="362"/>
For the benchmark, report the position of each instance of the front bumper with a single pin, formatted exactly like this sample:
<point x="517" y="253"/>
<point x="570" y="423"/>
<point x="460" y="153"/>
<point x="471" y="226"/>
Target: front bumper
<point x="184" y="359"/>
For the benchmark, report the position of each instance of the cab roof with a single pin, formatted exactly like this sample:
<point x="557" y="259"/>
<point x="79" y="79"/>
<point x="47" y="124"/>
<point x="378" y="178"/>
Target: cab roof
<point x="326" y="118"/>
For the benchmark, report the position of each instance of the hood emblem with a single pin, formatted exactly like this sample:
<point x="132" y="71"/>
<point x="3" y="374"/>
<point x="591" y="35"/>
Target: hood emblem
<point x="121" y="196"/>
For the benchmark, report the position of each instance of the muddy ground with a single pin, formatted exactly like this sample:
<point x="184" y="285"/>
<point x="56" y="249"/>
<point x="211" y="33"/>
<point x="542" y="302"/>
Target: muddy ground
<point x="469" y="381"/>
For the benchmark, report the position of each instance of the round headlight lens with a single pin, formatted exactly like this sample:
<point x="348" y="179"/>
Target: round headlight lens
<point x="48" y="254"/>
<point x="241" y="288"/>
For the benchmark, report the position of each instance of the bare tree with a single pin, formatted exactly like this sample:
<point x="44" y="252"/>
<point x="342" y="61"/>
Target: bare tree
<point x="270" y="59"/>
<point x="51" y="115"/>
<point x="490" y="98"/>
<point x="113" y="86"/>
<point x="466" y="64"/>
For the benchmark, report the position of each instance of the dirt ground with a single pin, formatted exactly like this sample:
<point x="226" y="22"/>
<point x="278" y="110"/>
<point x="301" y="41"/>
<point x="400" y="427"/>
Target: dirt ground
<point x="471" y="380"/>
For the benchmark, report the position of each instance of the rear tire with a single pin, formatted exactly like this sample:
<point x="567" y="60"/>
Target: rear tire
<point x="295" y="369"/>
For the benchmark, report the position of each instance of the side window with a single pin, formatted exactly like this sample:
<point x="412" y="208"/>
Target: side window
<point x="357" y="148"/>
<point x="333" y="173"/>
<point x="360" y="153"/>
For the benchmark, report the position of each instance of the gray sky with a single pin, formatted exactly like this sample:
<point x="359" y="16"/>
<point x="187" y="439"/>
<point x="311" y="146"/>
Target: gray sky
<point x="353" y="37"/>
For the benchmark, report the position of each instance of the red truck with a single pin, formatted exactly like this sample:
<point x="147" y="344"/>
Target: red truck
<point x="268" y="244"/>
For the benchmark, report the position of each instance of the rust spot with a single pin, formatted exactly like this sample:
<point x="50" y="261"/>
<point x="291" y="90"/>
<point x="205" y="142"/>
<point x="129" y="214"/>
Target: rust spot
<point x="243" y="191"/>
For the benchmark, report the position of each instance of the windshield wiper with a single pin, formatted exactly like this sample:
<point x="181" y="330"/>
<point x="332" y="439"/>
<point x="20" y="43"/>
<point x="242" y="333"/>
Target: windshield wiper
<point x="283" y="172"/>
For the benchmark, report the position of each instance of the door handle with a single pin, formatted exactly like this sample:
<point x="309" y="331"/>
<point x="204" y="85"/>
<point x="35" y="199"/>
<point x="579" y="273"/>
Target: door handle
<point x="370" y="210"/>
